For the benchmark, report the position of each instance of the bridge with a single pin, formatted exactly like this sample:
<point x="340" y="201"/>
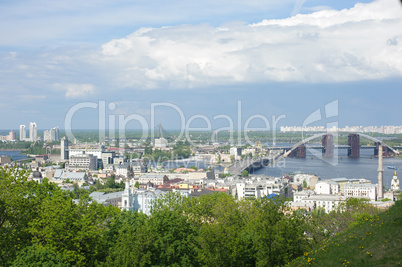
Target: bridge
<point x="299" y="151"/>
<point x="252" y="164"/>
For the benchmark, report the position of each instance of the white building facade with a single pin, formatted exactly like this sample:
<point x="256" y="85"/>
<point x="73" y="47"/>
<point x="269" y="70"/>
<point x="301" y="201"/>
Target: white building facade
<point x="361" y="190"/>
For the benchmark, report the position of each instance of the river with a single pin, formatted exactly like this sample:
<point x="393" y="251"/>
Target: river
<point x="15" y="155"/>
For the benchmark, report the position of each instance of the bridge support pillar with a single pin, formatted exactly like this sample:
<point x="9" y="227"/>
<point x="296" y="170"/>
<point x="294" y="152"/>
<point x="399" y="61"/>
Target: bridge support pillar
<point x="354" y="145"/>
<point x="386" y="152"/>
<point x="328" y="145"/>
<point x="301" y="151"/>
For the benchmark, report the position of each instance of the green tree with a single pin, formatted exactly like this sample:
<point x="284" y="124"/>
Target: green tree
<point x="37" y="256"/>
<point x="304" y="184"/>
<point x="278" y="234"/>
<point x="76" y="231"/>
<point x="17" y="208"/>
<point x="244" y="173"/>
<point x="137" y="184"/>
<point x="165" y="239"/>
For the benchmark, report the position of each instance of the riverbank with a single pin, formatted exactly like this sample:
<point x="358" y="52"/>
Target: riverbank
<point x="10" y="149"/>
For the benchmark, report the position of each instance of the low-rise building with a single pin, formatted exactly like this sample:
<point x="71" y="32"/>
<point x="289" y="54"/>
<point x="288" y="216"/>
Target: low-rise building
<point x="113" y="199"/>
<point x="5" y="159"/>
<point x="156" y="179"/>
<point x="328" y="202"/>
<point x="361" y="190"/>
<point x="61" y="175"/>
<point x="83" y="162"/>
<point x="327" y="187"/>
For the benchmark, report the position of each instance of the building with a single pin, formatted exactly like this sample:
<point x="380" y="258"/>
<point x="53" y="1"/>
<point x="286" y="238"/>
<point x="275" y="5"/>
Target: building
<point x="161" y="143"/>
<point x="138" y="168"/>
<point x="37" y="176"/>
<point x="107" y="158"/>
<point x="261" y="188"/>
<point x="78" y="177"/>
<point x="395" y="182"/>
<point x="123" y="170"/>
<point x="139" y="200"/>
<point x="33" y="131"/>
<point x="200" y="175"/>
<point x="23" y="133"/>
<point x="301" y="195"/>
<point x="64" y="148"/>
<point x="113" y="199"/>
<point x="51" y="135"/>
<point x="5" y="160"/>
<point x="119" y="160"/>
<point x="235" y="151"/>
<point x="310" y="179"/>
<point x="361" y="190"/>
<point x="328" y="202"/>
<point x="83" y="162"/>
<point x="96" y="152"/>
<point x="156" y="179"/>
<point x="12" y="136"/>
<point x="343" y="181"/>
<point x="327" y="188"/>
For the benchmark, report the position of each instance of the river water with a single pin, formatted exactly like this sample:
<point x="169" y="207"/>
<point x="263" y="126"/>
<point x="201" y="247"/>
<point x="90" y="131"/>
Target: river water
<point x="15" y="155"/>
<point x="339" y="167"/>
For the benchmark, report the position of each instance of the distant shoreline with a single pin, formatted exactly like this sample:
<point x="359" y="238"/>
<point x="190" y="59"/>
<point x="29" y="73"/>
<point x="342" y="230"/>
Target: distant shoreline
<point x="12" y="149"/>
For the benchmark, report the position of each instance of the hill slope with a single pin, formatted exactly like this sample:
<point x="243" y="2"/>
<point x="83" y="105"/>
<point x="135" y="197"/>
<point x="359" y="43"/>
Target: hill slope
<point x="376" y="242"/>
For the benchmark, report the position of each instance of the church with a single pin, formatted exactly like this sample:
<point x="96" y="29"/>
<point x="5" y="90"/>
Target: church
<point x="139" y="200"/>
<point x="395" y="182"/>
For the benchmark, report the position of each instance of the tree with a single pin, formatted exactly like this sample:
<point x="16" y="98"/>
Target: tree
<point x="137" y="184"/>
<point x="17" y="208"/>
<point x="304" y="184"/>
<point x="244" y="173"/>
<point x="165" y="239"/>
<point x="278" y="234"/>
<point x="76" y="231"/>
<point x="39" y="256"/>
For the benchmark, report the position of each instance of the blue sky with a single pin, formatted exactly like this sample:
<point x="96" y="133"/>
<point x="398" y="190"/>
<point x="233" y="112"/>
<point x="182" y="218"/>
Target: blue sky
<point x="278" y="57"/>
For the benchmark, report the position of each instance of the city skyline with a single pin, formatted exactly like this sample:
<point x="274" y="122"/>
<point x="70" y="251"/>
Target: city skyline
<point x="278" y="57"/>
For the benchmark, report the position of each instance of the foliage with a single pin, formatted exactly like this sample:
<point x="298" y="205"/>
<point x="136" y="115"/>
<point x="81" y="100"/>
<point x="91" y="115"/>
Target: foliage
<point x="17" y="208"/>
<point x="374" y="242"/>
<point x="38" y="148"/>
<point x="244" y="173"/>
<point x="41" y="225"/>
<point x="38" y="220"/>
<point x="40" y="256"/>
<point x="137" y="185"/>
<point x="349" y="213"/>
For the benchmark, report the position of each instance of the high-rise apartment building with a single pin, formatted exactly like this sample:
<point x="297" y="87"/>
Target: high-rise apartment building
<point x="51" y="135"/>
<point x="23" y="133"/>
<point x="64" y="148"/>
<point x="33" y="131"/>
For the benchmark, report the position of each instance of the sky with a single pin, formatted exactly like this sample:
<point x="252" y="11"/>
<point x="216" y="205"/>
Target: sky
<point x="199" y="64"/>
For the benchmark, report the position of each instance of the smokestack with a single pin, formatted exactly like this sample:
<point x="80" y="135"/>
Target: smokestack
<point x="380" y="172"/>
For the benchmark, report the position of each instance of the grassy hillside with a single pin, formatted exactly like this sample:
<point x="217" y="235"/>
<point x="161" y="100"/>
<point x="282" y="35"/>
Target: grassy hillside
<point x="376" y="242"/>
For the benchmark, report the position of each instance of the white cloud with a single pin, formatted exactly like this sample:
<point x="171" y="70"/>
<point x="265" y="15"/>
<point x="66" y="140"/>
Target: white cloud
<point x="76" y="90"/>
<point x="326" y="46"/>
